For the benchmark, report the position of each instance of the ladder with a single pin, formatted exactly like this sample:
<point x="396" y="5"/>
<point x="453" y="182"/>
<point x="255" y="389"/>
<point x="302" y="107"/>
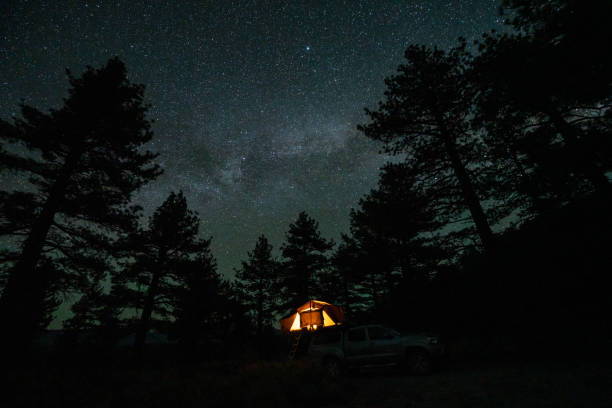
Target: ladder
<point x="294" y="346"/>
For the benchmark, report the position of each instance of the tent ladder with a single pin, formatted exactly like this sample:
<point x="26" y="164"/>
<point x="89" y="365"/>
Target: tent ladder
<point x="294" y="346"/>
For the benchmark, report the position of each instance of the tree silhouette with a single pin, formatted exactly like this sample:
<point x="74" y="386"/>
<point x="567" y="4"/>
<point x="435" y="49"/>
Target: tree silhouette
<point x="96" y="314"/>
<point x="256" y="280"/>
<point x="425" y="115"/>
<point x="354" y="281"/>
<point x="83" y="161"/>
<point x="395" y="238"/>
<point x="198" y="301"/>
<point x="398" y="212"/>
<point x="304" y="254"/>
<point x="158" y="257"/>
<point x="549" y="94"/>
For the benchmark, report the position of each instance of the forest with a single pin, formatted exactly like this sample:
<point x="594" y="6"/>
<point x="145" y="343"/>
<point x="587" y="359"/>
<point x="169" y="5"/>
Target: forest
<point x="490" y="227"/>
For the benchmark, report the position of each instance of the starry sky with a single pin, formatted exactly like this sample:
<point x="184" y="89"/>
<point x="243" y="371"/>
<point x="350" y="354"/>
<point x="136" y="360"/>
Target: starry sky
<point x="255" y="102"/>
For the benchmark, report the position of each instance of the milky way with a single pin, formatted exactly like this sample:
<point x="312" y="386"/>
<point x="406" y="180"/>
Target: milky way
<point x="255" y="102"/>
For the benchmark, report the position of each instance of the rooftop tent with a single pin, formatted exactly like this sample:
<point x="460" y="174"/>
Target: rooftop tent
<point x="312" y="315"/>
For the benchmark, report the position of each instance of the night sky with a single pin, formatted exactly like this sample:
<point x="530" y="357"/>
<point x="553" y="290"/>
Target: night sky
<point x="256" y="102"/>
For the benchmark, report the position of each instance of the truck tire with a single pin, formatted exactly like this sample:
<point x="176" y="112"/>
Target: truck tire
<point x="419" y="362"/>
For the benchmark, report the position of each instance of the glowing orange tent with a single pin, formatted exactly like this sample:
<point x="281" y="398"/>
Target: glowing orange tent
<point x="312" y="315"/>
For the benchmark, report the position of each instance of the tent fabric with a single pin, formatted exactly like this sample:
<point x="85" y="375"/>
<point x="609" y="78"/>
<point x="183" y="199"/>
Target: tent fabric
<point x="311" y="315"/>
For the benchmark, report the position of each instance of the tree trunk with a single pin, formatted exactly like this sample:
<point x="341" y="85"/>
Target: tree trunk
<point x="24" y="288"/>
<point x="145" y="317"/>
<point x="469" y="194"/>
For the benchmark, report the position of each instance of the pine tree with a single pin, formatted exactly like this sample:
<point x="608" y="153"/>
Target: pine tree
<point x="97" y="315"/>
<point x="396" y="237"/>
<point x="256" y="280"/>
<point x="82" y="163"/>
<point x="159" y="258"/>
<point x="304" y="254"/>
<point x="198" y="300"/>
<point x="346" y="284"/>
<point x="398" y="212"/>
<point x="425" y="116"/>
<point x="547" y="94"/>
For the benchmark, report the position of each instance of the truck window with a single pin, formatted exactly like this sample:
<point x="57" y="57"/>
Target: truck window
<point x="357" y="334"/>
<point x="327" y="337"/>
<point x="381" y="333"/>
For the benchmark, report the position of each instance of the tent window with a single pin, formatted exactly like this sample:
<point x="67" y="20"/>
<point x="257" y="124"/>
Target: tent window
<point x="327" y="321"/>
<point x="296" y="323"/>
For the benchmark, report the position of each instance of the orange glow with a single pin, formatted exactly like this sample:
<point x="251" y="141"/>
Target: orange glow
<point x="313" y="315"/>
<point x="327" y="321"/>
<point x="296" y="323"/>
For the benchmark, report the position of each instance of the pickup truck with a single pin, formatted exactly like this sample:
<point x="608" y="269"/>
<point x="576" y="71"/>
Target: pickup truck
<point x="337" y="349"/>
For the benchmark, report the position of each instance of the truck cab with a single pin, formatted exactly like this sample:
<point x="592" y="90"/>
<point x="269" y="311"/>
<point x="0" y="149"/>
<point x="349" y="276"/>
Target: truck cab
<point x="374" y="346"/>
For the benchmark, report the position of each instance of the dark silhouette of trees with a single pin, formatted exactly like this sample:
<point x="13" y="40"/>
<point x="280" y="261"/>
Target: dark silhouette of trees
<point x="198" y="301"/>
<point x="521" y="127"/>
<point x="425" y="115"/>
<point x="397" y="247"/>
<point x="544" y="95"/>
<point x="161" y="257"/>
<point x="400" y="215"/>
<point x="305" y="259"/>
<point x="82" y="163"/>
<point x="257" y="283"/>
<point x="96" y="315"/>
<point x="347" y="282"/>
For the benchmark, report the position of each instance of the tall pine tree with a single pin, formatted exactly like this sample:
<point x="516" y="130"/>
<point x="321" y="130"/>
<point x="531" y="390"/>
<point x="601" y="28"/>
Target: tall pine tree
<point x="256" y="280"/>
<point x="544" y="95"/>
<point x="352" y="282"/>
<point x="397" y="232"/>
<point x="425" y="115"/>
<point x="96" y="314"/>
<point x="157" y="257"/>
<point x="305" y="258"/>
<point x="82" y="163"/>
<point x="198" y="301"/>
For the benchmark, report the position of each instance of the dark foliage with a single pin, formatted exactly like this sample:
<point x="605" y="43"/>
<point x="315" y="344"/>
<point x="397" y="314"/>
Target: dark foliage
<point x="515" y="136"/>
<point x="528" y="119"/>
<point x="257" y="283"/>
<point x="396" y="245"/>
<point x="82" y="163"/>
<point x="201" y="303"/>
<point x="167" y="265"/>
<point x="305" y="260"/>
<point x="425" y="115"/>
<point x="96" y="318"/>
<point x="544" y="98"/>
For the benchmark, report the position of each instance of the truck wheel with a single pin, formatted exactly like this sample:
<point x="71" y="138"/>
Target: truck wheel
<point x="332" y="367"/>
<point x="419" y="362"/>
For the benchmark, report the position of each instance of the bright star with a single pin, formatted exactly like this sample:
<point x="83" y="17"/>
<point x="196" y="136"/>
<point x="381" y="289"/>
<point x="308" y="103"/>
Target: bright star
<point x="308" y="48"/>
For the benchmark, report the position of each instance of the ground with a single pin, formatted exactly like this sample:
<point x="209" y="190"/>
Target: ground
<point x="491" y="385"/>
<point x="280" y="384"/>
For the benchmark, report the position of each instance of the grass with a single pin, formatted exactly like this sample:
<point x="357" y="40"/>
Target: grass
<point x="285" y="384"/>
